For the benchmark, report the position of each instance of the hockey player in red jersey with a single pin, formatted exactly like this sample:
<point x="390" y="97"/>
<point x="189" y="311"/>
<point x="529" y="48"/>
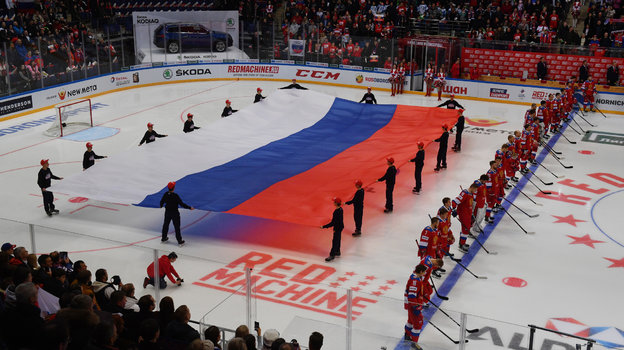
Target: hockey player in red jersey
<point x="445" y="236"/>
<point x="530" y="113"/>
<point x="492" y="190"/>
<point x="479" y="208"/>
<point x="556" y="116"/>
<point x="463" y="204"/>
<point x="589" y="92"/>
<point x="415" y="299"/>
<point x="428" y="244"/>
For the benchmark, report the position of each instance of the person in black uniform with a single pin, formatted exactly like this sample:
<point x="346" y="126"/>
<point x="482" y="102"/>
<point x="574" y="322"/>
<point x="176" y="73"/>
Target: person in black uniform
<point x="89" y="157"/>
<point x="390" y="178"/>
<point x="44" y="180"/>
<point x="369" y="97"/>
<point x="150" y="135"/>
<point x="171" y="201"/>
<point x="358" y="207"/>
<point x="227" y="111"/>
<point x="451" y="103"/>
<point x="419" y="162"/>
<point x="337" y="223"/>
<point x="294" y="85"/>
<point x="259" y="96"/>
<point x="460" y="128"/>
<point x="443" y="140"/>
<point x="189" y="125"/>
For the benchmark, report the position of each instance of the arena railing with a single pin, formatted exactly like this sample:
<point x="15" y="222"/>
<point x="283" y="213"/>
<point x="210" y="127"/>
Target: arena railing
<point x="354" y="310"/>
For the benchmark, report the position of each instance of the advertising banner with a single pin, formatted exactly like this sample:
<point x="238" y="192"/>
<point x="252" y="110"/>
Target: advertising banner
<point x="188" y="35"/>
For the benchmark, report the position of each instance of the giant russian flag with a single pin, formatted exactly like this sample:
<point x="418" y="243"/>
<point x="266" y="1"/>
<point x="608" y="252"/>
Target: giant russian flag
<point x="281" y="159"/>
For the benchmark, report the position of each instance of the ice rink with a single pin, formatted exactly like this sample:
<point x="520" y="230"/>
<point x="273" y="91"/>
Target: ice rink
<point x="568" y="275"/>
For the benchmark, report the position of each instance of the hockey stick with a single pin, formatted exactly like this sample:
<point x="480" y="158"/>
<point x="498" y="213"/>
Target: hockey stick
<point x="575" y="122"/>
<point x="563" y="165"/>
<point x="458" y="261"/>
<point x="452" y="319"/>
<point x="555" y="175"/>
<point x="581" y="116"/>
<point x="598" y="109"/>
<point x="537" y="177"/>
<point x="565" y="137"/>
<point x="476" y="239"/>
<point x="571" y="127"/>
<point x="446" y="335"/>
<point x="524" y="212"/>
<point x="544" y="192"/>
<point x="442" y="297"/>
<point x="549" y="148"/>
<point x="514" y="220"/>
<point x="534" y="202"/>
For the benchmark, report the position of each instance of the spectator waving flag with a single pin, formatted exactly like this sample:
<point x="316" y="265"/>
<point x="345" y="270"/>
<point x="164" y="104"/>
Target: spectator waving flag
<point x="296" y="47"/>
<point x="282" y="159"/>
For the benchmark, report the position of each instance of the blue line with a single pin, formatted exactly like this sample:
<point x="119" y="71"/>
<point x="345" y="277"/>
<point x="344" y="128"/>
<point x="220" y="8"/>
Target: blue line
<point x="457" y="271"/>
<point x="594" y="220"/>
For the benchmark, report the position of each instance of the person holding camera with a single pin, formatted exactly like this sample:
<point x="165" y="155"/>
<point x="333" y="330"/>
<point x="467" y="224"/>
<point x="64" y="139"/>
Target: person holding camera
<point x="103" y="288"/>
<point x="165" y="268"/>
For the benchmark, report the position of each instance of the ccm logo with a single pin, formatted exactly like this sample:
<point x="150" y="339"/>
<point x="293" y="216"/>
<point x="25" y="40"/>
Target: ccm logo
<point x="318" y="74"/>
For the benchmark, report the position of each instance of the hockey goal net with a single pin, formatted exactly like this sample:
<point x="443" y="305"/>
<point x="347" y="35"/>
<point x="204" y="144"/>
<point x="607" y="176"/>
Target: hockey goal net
<point x="71" y="117"/>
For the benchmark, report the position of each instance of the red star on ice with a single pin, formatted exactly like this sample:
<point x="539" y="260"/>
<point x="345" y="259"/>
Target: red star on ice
<point x="335" y="284"/>
<point x="584" y="240"/>
<point x="567" y="219"/>
<point x="391" y="282"/>
<point x="363" y="283"/>
<point x="370" y="278"/>
<point x="616" y="262"/>
<point x="350" y="273"/>
<point x="343" y="279"/>
<point x="377" y="293"/>
<point x="355" y="289"/>
<point x="384" y="287"/>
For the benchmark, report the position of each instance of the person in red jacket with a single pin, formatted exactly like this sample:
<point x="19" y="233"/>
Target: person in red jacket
<point x="456" y="70"/>
<point x="475" y="74"/>
<point x="463" y="204"/>
<point x="415" y="299"/>
<point x="429" y="240"/>
<point x="164" y="269"/>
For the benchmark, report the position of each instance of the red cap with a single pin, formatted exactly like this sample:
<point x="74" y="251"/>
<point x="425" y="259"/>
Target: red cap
<point x="390" y="160"/>
<point x="149" y="125"/>
<point x="460" y="111"/>
<point x="369" y="88"/>
<point x="171" y="185"/>
<point x="337" y="200"/>
<point x="190" y="115"/>
<point x="227" y="101"/>
<point x="452" y="95"/>
<point x="358" y="183"/>
<point x="44" y="161"/>
<point x="89" y="145"/>
<point x="259" y="89"/>
<point x="445" y="126"/>
<point x="421" y="144"/>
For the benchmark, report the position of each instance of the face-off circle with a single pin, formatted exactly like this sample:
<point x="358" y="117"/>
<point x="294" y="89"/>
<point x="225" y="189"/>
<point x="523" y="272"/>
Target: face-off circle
<point x="78" y="199"/>
<point x="515" y="282"/>
<point x="586" y="152"/>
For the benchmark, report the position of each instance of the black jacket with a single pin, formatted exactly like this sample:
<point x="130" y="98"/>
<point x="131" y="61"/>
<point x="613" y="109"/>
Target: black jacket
<point x="181" y="331"/>
<point x="542" y="70"/>
<point x="293" y="86"/>
<point x="358" y="199"/>
<point x="443" y="140"/>
<point x="44" y="179"/>
<point x="583" y="73"/>
<point x="189" y="126"/>
<point x="258" y="98"/>
<point x="171" y="201"/>
<point x="613" y="75"/>
<point x="369" y="98"/>
<point x="460" y="123"/>
<point x="451" y="104"/>
<point x="150" y="136"/>
<point x="227" y="111"/>
<point x="419" y="160"/>
<point x="390" y="176"/>
<point x="337" y="221"/>
<point x="89" y="159"/>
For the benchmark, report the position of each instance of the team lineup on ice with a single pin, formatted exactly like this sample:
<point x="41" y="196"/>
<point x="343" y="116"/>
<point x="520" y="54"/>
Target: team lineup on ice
<point x="515" y="225"/>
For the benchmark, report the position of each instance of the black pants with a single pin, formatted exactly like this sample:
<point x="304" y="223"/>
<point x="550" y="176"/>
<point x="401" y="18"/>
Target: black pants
<point x="357" y="217"/>
<point x="335" y="249"/>
<point x="441" y="158"/>
<point x="162" y="282"/>
<point x="458" y="140"/>
<point x="48" y="201"/>
<point x="389" y="190"/>
<point x="175" y="217"/>
<point x="418" y="177"/>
